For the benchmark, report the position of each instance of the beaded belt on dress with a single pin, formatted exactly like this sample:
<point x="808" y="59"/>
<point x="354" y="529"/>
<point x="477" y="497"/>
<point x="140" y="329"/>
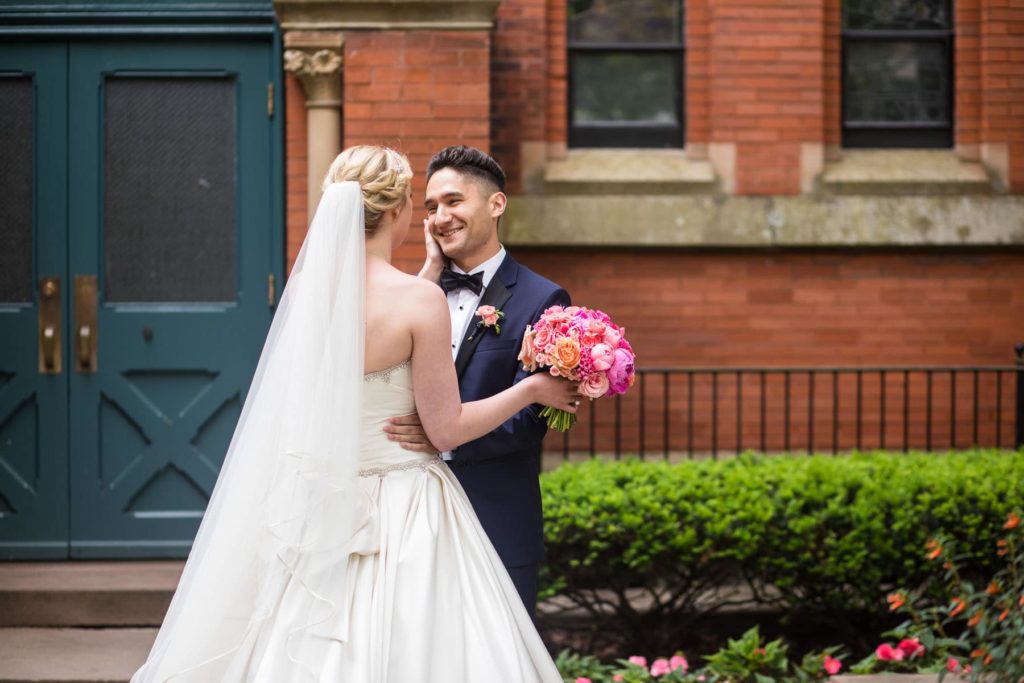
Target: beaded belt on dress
<point x="400" y="467"/>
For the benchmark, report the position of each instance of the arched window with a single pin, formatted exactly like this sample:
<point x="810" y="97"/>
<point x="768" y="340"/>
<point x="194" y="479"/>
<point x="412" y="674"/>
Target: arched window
<point x="897" y="73"/>
<point x="626" y="62"/>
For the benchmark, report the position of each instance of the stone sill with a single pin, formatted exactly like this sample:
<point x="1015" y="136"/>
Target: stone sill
<point x="627" y="171"/>
<point x="389" y="15"/>
<point x="903" y="172"/>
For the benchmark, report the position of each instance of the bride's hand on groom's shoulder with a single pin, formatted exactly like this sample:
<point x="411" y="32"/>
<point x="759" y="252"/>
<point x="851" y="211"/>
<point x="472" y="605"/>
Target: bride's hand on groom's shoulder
<point x="408" y="432"/>
<point x="555" y="392"/>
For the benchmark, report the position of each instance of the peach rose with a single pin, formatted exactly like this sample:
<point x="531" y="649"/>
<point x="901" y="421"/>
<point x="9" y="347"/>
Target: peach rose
<point x="595" y="386"/>
<point x="566" y="355"/>
<point x="526" y="354"/>
<point x="489" y="315"/>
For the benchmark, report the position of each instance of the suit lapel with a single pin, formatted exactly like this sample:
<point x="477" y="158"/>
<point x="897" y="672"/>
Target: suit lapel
<point x="496" y="294"/>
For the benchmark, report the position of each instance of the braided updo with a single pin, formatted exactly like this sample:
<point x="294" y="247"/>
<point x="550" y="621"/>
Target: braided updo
<point x="383" y="175"/>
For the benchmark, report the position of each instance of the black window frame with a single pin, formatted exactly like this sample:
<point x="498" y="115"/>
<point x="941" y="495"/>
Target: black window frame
<point x="630" y="134"/>
<point x="901" y="134"/>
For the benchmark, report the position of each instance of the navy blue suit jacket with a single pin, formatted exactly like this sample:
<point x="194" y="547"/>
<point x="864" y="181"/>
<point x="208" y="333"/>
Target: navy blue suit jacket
<point x="500" y="470"/>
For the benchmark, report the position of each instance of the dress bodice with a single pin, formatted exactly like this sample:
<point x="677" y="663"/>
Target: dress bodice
<point x="386" y="393"/>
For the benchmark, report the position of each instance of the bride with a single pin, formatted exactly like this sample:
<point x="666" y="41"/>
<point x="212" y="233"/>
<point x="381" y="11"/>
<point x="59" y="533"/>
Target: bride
<point x="328" y="552"/>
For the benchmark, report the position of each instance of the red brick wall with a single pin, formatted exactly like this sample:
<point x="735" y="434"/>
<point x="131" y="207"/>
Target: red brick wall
<point x="766" y="88"/>
<point x="967" y="107"/>
<point x="415" y="91"/>
<point x="752" y="309"/>
<point x="296" y="219"/>
<point x="1002" y="81"/>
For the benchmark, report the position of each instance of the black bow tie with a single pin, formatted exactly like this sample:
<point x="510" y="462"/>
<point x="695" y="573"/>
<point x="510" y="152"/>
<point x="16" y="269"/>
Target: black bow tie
<point x="452" y="281"/>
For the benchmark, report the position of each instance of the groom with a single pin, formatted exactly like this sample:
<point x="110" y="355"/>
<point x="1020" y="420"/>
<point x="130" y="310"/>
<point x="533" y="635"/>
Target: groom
<point x="465" y="200"/>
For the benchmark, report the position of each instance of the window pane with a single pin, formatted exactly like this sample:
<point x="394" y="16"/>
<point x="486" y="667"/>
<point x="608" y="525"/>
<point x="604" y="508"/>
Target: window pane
<point x="625" y="21"/>
<point x="624" y="87"/>
<point x="169" y="189"/>
<point x="896" y="14"/>
<point x="896" y="82"/>
<point x="16" y="150"/>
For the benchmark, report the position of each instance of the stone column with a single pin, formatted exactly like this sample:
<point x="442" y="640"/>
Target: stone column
<point x="315" y="57"/>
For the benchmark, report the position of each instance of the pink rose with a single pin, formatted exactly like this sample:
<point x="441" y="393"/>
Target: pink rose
<point x="911" y="647"/>
<point x="621" y="372"/>
<point x="595" y="385"/>
<point x="888" y="653"/>
<point x="832" y="665"/>
<point x="572" y="310"/>
<point x="602" y="356"/>
<point x="638" y="660"/>
<point x="678" y="662"/>
<point x="660" y="667"/>
<point x="489" y="315"/>
<point x="583" y="679"/>
<point x="526" y="353"/>
<point x="544" y="337"/>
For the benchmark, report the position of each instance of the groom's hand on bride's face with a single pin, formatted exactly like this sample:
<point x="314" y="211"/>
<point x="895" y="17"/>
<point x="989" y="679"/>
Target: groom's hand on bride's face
<point x="407" y="431"/>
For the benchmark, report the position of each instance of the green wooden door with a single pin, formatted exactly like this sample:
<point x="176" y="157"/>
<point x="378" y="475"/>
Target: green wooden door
<point x="33" y="246"/>
<point x="171" y="233"/>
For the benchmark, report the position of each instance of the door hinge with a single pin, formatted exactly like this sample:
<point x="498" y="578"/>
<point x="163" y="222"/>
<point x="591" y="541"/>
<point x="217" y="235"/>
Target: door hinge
<point x="271" y="290"/>
<point x="270" y="100"/>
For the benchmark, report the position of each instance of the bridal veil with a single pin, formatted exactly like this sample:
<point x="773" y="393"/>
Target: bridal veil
<point x="264" y="588"/>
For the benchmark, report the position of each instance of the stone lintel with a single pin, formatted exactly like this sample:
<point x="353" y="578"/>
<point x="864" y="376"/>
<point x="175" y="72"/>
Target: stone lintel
<point x="386" y="14"/>
<point x="632" y="218"/>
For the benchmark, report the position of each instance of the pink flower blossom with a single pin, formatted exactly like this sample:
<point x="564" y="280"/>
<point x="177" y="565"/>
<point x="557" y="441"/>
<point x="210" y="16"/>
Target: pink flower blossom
<point x="621" y="372"/>
<point x="832" y="665"/>
<point x="638" y="660"/>
<point x="602" y="356"/>
<point x="583" y="679"/>
<point x="888" y="653"/>
<point x="679" y="662"/>
<point x="488" y="315"/>
<point x="612" y="336"/>
<point x="952" y="665"/>
<point x="660" y="667"/>
<point x="617" y="677"/>
<point x="911" y="647"/>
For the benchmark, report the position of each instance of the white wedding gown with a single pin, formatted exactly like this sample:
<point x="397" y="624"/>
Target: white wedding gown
<point x="429" y="600"/>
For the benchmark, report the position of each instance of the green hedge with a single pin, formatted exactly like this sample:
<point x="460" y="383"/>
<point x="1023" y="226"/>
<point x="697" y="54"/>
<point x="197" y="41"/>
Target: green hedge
<point x="820" y="533"/>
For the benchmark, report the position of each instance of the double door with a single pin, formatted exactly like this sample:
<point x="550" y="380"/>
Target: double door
<point x="140" y="254"/>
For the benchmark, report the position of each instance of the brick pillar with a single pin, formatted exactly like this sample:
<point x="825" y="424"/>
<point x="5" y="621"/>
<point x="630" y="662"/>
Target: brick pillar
<point x="1002" y="86"/>
<point x="766" y="98"/>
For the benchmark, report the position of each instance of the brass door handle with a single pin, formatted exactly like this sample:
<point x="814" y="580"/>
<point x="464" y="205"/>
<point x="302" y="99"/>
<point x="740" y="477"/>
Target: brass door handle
<point x="85" y="323"/>
<point x="49" y="326"/>
<point x="84" y="346"/>
<point x="49" y="344"/>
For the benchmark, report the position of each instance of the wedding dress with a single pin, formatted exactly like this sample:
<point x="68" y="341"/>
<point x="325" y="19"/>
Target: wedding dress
<point x="328" y="552"/>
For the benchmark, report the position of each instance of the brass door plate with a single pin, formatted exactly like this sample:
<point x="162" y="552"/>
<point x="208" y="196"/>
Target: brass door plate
<point x="86" y="331"/>
<point x="49" y="326"/>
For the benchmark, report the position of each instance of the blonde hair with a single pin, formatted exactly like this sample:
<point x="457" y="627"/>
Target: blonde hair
<point x="383" y="175"/>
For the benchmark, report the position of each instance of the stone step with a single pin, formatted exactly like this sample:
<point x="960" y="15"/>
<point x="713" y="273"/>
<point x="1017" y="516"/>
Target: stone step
<point x="72" y="655"/>
<point x="61" y="594"/>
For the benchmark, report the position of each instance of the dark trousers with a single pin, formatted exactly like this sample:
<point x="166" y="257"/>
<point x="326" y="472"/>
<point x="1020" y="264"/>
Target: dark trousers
<point x="525" y="579"/>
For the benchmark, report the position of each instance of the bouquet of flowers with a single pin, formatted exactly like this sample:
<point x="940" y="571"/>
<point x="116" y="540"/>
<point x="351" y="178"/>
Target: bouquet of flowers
<point x="582" y="345"/>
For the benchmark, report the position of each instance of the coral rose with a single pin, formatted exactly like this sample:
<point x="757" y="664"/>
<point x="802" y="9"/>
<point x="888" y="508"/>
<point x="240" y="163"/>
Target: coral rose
<point x="595" y="385"/>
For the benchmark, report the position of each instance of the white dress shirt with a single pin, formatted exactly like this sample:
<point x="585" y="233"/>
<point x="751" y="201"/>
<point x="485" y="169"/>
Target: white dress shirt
<point x="462" y="304"/>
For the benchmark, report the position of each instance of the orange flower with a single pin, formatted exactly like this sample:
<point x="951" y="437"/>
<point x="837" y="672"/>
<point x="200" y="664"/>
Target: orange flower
<point x="1006" y="613"/>
<point x="1012" y="521"/>
<point x="934" y="547"/>
<point x="1001" y="544"/>
<point x="896" y="600"/>
<point x="947" y="565"/>
<point x="975" y="619"/>
<point x="993" y="588"/>
<point x="1021" y="601"/>
<point x="958" y="607"/>
<point x="980" y="652"/>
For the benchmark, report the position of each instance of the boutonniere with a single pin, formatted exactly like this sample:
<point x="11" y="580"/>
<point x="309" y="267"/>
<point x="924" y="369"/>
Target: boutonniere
<point x="489" y="317"/>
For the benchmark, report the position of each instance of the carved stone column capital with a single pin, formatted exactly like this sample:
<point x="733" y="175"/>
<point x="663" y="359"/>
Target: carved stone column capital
<point x="315" y="57"/>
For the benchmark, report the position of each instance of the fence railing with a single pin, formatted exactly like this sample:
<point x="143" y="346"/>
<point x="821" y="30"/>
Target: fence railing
<point x="710" y="411"/>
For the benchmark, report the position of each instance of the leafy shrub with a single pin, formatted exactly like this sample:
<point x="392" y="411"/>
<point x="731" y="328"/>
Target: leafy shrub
<point x="638" y="545"/>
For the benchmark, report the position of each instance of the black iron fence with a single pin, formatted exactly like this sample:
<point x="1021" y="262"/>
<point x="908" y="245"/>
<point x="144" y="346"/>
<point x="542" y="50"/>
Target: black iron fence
<point x="689" y="412"/>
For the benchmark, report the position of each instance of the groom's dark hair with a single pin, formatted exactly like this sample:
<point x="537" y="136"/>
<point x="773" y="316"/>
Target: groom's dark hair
<point x="469" y="161"/>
